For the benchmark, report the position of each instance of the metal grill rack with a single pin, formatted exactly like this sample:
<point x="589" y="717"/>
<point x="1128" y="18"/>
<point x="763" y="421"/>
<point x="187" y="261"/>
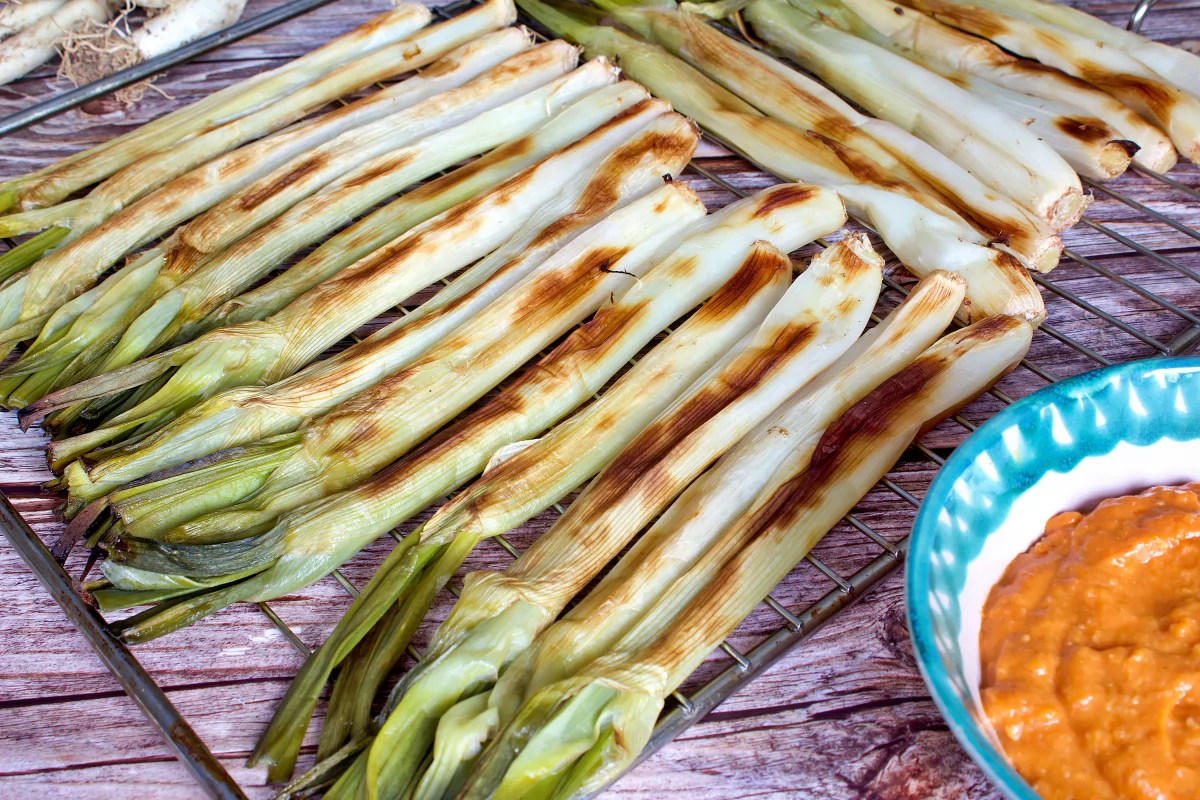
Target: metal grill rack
<point x="782" y="623"/>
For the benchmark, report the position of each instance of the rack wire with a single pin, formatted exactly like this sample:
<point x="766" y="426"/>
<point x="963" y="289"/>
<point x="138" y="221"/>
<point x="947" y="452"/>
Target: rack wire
<point x="783" y="623"/>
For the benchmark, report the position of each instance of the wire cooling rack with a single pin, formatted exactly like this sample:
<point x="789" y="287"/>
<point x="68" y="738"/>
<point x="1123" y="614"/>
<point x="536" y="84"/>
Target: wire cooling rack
<point x="1154" y="279"/>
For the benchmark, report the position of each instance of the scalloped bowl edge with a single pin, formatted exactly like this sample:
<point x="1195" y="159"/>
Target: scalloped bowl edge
<point x="1109" y="432"/>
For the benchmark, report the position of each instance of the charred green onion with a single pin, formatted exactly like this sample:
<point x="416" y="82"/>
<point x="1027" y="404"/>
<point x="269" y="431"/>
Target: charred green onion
<point x="309" y="325"/>
<point x="180" y="295"/>
<point x="723" y="250"/>
<point x="923" y="232"/>
<point x="575" y="735"/>
<point x="71" y="270"/>
<point x="498" y="614"/>
<point x="1158" y="100"/>
<point x="57" y="181"/>
<point x="1074" y="116"/>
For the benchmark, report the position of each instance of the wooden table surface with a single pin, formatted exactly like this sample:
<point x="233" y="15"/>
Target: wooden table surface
<point x="844" y="716"/>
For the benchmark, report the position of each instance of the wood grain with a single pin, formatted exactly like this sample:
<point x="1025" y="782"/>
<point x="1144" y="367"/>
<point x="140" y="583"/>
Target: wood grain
<point x="844" y="716"/>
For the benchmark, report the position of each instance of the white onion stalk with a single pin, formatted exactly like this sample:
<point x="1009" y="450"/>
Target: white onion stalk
<point x="779" y="447"/>
<point x="923" y="232"/>
<point x="393" y="220"/>
<point x="499" y="614"/>
<point x="277" y="347"/>
<point x="70" y="271"/>
<point x="953" y="53"/>
<point x="983" y="65"/>
<point x="416" y="206"/>
<point x="784" y="93"/>
<point x="993" y="146"/>
<point x="574" y="736"/>
<point x="295" y="551"/>
<point x="728" y="249"/>
<point x="181" y="293"/>
<point x="403" y="409"/>
<point x="1173" y="63"/>
<point x="251" y="413"/>
<point x="505" y="115"/>
<point x="324" y="384"/>
<point x="526" y="477"/>
<point x="184" y="21"/>
<point x="54" y="183"/>
<point x="112" y="307"/>
<point x="1109" y="68"/>
<point x="154" y="170"/>
<point x="537" y="395"/>
<point x="244" y="415"/>
<point x="1092" y="148"/>
<point x="299" y="178"/>
<point x="35" y="45"/>
<point x="17" y="15"/>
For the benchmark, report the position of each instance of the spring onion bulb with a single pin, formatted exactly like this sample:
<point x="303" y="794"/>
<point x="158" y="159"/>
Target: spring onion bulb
<point x="33" y="46"/>
<point x="280" y="345"/>
<point x="923" y="232"/>
<point x="56" y="182"/>
<point x="172" y="314"/>
<point x="1173" y="63"/>
<point x="251" y="413"/>
<point x="983" y="66"/>
<point x="96" y="50"/>
<point x="732" y="246"/>
<point x="1108" y="68"/>
<point x="16" y="17"/>
<point x="784" y="93"/>
<point x="498" y="614"/>
<point x="184" y="21"/>
<point x="992" y="146"/>
<point x="71" y="270"/>
<point x="780" y="446"/>
<point x="575" y="735"/>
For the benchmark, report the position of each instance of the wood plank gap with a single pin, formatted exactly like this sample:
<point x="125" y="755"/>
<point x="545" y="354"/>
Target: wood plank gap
<point x="83" y="697"/>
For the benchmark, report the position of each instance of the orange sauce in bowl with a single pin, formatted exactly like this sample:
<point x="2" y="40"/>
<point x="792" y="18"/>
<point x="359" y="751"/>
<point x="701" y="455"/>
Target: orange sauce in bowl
<point x="1090" y="650"/>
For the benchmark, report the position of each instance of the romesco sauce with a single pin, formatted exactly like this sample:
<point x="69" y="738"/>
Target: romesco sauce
<point x="1090" y="651"/>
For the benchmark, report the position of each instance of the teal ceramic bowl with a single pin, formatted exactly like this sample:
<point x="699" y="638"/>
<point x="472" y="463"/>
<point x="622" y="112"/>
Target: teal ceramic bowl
<point x="1111" y="432"/>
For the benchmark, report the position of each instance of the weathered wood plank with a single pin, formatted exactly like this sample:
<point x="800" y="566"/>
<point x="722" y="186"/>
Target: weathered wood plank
<point x="32" y="740"/>
<point x="847" y="716"/>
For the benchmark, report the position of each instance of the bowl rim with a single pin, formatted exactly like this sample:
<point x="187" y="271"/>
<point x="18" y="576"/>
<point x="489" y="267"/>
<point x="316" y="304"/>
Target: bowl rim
<point x="916" y="578"/>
